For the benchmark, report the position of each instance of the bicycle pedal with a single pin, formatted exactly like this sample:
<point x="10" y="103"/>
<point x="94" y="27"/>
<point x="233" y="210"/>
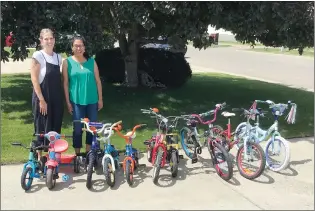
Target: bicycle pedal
<point x="56" y="176"/>
<point x="194" y="160"/>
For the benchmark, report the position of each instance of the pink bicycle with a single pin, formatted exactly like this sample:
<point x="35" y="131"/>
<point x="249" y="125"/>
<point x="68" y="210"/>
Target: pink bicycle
<point x="190" y="141"/>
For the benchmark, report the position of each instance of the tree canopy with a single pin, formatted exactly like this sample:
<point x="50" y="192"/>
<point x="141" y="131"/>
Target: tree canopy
<point x="288" y="24"/>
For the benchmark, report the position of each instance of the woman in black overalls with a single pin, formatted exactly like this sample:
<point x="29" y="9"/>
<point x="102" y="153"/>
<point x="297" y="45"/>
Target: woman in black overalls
<point x="47" y="99"/>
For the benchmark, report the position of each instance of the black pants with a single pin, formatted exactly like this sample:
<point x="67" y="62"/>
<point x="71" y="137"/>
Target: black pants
<point x="52" y="121"/>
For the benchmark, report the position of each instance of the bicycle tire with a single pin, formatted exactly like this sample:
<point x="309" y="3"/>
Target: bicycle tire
<point x="108" y="173"/>
<point x="174" y="161"/>
<point x="184" y="147"/>
<point x="239" y="160"/>
<point x="129" y="173"/>
<point x="27" y="170"/>
<point x="287" y="154"/>
<point x="90" y="170"/>
<point x="228" y="160"/>
<point x="50" y="180"/>
<point x="157" y="165"/>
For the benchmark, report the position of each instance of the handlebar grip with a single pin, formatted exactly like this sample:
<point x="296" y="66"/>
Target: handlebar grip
<point x="143" y="125"/>
<point x="16" y="144"/>
<point x="77" y="121"/>
<point x="96" y="124"/>
<point x="118" y="123"/>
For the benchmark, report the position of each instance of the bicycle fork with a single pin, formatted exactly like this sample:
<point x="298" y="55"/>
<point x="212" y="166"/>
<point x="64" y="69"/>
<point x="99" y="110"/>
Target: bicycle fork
<point x="197" y="146"/>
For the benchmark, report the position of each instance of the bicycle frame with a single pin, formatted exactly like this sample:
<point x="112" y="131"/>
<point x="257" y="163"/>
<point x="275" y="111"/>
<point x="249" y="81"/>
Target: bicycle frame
<point x="32" y="162"/>
<point x="95" y="147"/>
<point x="108" y="148"/>
<point x="130" y="153"/>
<point x="277" y="111"/>
<point x="194" y="127"/>
<point x="162" y="136"/>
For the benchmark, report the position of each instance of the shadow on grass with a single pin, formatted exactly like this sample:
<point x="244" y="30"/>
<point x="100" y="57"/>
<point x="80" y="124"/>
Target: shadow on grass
<point x="200" y="94"/>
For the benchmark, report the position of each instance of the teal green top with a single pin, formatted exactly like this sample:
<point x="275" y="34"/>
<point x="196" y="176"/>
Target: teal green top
<point x="82" y="83"/>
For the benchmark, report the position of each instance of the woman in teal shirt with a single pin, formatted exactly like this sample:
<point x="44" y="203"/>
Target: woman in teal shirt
<point x="83" y="90"/>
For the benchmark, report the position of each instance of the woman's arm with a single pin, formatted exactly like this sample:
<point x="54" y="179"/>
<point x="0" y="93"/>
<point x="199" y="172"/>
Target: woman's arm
<point x="35" y="69"/>
<point x="65" y="80"/>
<point x="98" y="82"/>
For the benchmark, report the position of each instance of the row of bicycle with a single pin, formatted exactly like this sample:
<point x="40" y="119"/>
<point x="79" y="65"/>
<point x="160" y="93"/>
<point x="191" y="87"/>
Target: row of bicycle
<point x="163" y="147"/>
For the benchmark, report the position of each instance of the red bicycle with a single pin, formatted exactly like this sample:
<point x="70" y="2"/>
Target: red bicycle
<point x="190" y="138"/>
<point x="163" y="147"/>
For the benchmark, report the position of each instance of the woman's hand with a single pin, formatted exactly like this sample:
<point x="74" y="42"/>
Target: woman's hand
<point x="43" y="107"/>
<point x="69" y="106"/>
<point x="100" y="104"/>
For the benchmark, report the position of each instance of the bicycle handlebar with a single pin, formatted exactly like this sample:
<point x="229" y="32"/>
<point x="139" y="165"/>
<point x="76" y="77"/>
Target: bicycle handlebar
<point x="248" y="113"/>
<point x="35" y="148"/>
<point x="272" y="104"/>
<point x="208" y="113"/>
<point x="126" y="137"/>
<point x="278" y="108"/>
<point x="91" y="126"/>
<point x="58" y="135"/>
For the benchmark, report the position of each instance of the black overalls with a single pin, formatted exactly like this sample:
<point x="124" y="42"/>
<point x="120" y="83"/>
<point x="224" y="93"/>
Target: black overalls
<point x="52" y="92"/>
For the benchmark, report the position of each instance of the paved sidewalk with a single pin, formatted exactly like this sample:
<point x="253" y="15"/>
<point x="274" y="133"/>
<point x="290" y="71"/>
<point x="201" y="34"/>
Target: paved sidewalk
<point x="197" y="187"/>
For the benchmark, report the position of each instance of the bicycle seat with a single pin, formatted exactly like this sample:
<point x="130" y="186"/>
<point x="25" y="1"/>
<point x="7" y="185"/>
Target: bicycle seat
<point x="227" y="114"/>
<point x="129" y="133"/>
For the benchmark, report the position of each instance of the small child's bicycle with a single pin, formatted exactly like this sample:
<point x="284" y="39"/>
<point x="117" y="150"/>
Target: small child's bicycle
<point x="51" y="170"/>
<point x="272" y="135"/>
<point x="163" y="146"/>
<point x="96" y="154"/>
<point x="190" y="139"/>
<point x="131" y="161"/>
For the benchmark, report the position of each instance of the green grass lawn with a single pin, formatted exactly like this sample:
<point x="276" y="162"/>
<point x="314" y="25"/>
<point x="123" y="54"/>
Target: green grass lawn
<point x="308" y="52"/>
<point x="200" y="94"/>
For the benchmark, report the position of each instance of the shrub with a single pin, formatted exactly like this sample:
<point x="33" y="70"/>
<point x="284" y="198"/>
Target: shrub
<point x="168" y="68"/>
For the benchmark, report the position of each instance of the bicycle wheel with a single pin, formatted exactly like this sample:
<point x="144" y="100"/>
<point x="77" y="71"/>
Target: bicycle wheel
<point x="108" y="172"/>
<point x="26" y="182"/>
<point x="90" y="170"/>
<point x="245" y="171"/>
<point x="274" y="148"/>
<point x="220" y="155"/>
<point x="187" y="142"/>
<point x="174" y="164"/>
<point x="157" y="165"/>
<point x="50" y="180"/>
<point x="129" y="173"/>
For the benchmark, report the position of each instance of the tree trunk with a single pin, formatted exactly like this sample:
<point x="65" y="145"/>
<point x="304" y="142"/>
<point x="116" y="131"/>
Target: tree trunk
<point x="129" y="51"/>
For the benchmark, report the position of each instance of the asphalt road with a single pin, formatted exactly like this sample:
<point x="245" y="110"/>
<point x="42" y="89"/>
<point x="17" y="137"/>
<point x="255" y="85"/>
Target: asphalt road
<point x="197" y="187"/>
<point x="289" y="70"/>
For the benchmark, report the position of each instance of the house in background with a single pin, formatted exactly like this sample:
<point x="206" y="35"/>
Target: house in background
<point x="223" y="34"/>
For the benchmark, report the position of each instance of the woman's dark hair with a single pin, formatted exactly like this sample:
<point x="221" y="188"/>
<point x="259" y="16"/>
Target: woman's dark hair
<point x="85" y="54"/>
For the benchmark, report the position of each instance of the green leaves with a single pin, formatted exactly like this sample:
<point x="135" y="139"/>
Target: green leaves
<point x="289" y="24"/>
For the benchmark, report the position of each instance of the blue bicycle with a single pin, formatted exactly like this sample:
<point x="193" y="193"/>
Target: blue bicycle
<point x="94" y="156"/>
<point x="50" y="168"/>
<point x="131" y="161"/>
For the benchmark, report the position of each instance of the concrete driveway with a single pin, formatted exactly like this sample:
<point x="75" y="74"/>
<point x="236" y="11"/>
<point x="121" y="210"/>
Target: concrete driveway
<point x="197" y="187"/>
